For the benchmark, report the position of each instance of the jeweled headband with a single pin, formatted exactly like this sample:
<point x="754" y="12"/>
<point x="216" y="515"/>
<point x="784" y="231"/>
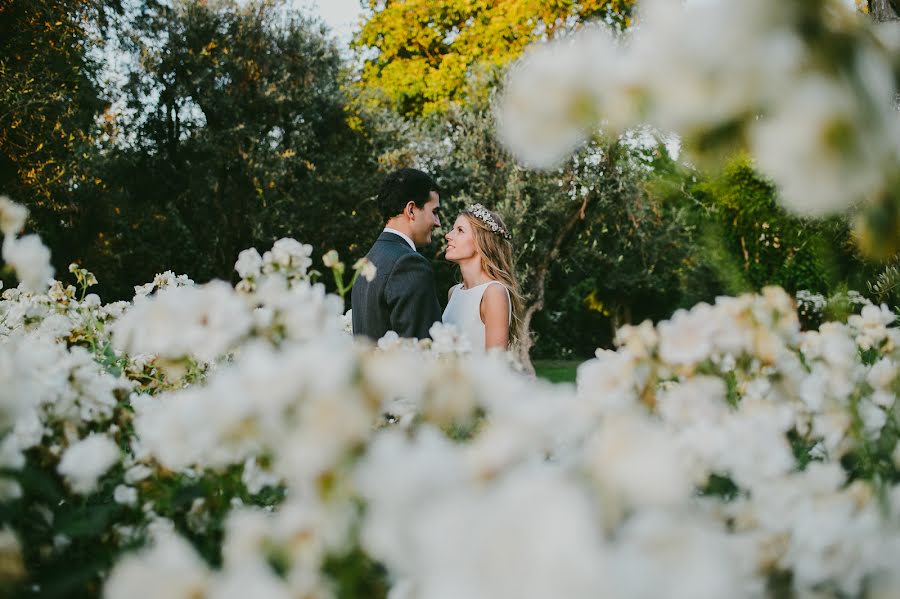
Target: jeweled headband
<point x="482" y="214"/>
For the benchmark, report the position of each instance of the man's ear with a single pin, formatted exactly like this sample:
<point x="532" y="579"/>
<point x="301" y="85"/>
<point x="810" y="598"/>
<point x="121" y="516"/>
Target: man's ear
<point x="408" y="211"/>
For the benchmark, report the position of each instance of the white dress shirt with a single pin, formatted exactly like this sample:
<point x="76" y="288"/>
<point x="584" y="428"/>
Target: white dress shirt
<point x="403" y="235"/>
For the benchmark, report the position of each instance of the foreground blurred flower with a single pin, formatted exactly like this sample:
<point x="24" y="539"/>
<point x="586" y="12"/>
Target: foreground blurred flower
<point x="169" y="568"/>
<point x="178" y="322"/>
<point x="30" y="258"/>
<point x="12" y="216"/>
<point x="86" y="461"/>
<point x="762" y="75"/>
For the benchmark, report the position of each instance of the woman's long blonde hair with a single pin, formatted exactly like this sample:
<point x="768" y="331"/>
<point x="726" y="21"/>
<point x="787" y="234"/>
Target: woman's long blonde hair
<point x="497" y="261"/>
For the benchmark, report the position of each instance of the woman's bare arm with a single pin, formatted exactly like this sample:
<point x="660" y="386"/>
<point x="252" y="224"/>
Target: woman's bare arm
<point x="495" y="316"/>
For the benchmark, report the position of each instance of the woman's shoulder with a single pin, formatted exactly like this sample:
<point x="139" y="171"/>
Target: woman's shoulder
<point x="496" y="293"/>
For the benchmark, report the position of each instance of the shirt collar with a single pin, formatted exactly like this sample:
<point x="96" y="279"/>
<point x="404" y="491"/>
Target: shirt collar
<point x="403" y="235"/>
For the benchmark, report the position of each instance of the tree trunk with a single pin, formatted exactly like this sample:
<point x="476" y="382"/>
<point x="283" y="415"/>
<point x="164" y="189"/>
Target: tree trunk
<point x="884" y="10"/>
<point x="540" y="284"/>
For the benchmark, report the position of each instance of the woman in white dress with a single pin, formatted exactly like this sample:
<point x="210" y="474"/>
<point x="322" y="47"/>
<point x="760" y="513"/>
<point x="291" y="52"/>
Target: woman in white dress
<point x="486" y="306"/>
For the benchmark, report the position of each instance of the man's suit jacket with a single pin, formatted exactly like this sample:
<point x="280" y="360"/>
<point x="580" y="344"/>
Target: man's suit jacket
<point x="401" y="297"/>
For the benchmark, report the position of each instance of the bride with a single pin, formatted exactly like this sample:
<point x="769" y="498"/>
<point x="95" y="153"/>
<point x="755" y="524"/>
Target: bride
<point x="486" y="306"/>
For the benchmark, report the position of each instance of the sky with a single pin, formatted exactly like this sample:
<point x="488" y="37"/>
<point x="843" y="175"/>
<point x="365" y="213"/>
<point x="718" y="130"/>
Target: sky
<point x="340" y="15"/>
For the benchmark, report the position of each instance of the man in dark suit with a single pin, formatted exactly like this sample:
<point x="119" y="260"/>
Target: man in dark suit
<point x="401" y="297"/>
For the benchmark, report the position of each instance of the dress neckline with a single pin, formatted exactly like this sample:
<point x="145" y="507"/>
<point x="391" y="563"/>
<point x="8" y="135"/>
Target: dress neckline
<point x="461" y="288"/>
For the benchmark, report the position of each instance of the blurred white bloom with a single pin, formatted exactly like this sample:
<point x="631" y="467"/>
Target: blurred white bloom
<point x="30" y="258"/>
<point x="86" y="461"/>
<point x="163" y="280"/>
<point x="673" y="555"/>
<point x="610" y="381"/>
<point x="252" y="579"/>
<point x="169" y="569"/>
<point x="249" y="264"/>
<point x="366" y="267"/>
<point x="137" y="473"/>
<point x="255" y="478"/>
<point x="550" y="99"/>
<point x="288" y="254"/>
<point x="12" y="216"/>
<point x="640" y="341"/>
<point x="447" y="339"/>
<point x="529" y="535"/>
<point x="203" y="321"/>
<point x="125" y="495"/>
<point x="871" y="325"/>
<point x="331" y="259"/>
<point x="637" y="463"/>
<point x="389" y="340"/>
<point x="806" y="146"/>
<point x="882" y="373"/>
<point x="687" y="337"/>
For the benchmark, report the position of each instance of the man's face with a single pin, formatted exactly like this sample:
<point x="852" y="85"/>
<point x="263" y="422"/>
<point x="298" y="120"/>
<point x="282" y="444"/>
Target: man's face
<point x="425" y="219"/>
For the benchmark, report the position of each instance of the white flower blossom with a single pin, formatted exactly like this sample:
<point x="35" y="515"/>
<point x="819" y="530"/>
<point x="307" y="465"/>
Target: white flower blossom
<point x="86" y="461"/>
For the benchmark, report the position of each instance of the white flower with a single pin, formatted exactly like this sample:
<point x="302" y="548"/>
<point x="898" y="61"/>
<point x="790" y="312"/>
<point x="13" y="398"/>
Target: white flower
<point x="871" y="325"/>
<point x="12" y="216"/>
<point x="331" y="259"/>
<point x="31" y="260"/>
<point x="366" y="267"/>
<point x="610" y="381"/>
<point x="86" y="461"/>
<point x="255" y="478"/>
<point x="636" y="461"/>
<point x="550" y="97"/>
<point x="882" y="373"/>
<point x="679" y="556"/>
<point x="688" y="337"/>
<point x="203" y="321"/>
<point x="249" y="264"/>
<point x="815" y="148"/>
<point x="169" y="569"/>
<point x="125" y="495"/>
<point x="137" y="473"/>
<point x="288" y="254"/>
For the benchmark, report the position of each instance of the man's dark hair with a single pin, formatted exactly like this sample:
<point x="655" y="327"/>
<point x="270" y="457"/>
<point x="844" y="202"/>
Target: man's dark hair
<point x="401" y="187"/>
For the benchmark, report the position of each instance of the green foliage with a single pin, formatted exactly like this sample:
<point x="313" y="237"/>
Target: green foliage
<point x="241" y="138"/>
<point x="885" y="287"/>
<point x="752" y="242"/>
<point x="48" y="94"/>
<point x="71" y="542"/>
<point x="356" y="575"/>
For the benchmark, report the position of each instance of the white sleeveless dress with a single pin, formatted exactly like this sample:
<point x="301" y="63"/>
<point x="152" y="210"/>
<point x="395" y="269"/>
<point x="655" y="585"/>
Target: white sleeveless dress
<point x="464" y="311"/>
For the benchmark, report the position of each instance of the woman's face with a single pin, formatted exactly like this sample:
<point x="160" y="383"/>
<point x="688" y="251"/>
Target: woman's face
<point x="460" y="241"/>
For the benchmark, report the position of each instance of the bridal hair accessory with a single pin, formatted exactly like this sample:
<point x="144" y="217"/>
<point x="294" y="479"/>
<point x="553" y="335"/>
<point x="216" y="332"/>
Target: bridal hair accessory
<point x="482" y="214"/>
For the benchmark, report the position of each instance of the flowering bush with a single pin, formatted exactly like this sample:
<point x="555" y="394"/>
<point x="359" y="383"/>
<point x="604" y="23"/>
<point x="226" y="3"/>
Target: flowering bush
<point x="204" y="440"/>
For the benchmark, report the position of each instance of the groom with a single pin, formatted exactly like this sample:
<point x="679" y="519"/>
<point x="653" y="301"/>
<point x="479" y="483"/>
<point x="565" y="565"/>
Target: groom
<point x="401" y="297"/>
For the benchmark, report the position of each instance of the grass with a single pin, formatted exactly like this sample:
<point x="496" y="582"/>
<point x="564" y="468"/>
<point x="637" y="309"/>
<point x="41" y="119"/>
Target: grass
<point x="557" y="371"/>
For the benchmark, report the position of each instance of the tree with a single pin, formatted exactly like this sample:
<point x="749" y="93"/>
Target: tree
<point x="49" y="99"/>
<point x="237" y="136"/>
<point x="422" y="56"/>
